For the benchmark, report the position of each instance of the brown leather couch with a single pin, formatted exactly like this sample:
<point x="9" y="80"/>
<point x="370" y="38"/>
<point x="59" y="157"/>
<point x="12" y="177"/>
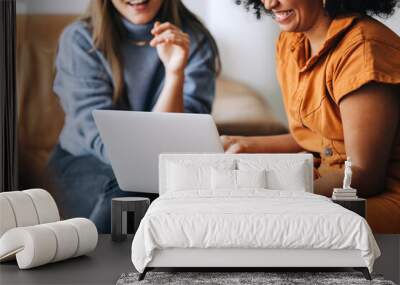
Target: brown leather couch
<point x="238" y="110"/>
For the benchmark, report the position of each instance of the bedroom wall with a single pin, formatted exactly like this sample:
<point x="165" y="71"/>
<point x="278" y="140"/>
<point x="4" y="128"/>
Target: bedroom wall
<point x="237" y="33"/>
<point x="247" y="45"/>
<point x="246" y="56"/>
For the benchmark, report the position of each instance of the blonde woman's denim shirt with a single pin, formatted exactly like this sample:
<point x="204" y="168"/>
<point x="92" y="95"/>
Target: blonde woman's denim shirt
<point x="84" y="82"/>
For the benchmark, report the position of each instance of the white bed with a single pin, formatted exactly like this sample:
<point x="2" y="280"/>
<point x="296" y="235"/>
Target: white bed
<point x="194" y="223"/>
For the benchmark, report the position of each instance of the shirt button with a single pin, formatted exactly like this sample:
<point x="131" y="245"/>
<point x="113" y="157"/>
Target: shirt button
<point x="328" y="151"/>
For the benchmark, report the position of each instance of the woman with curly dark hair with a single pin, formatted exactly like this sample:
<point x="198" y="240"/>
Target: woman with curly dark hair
<point x="339" y="72"/>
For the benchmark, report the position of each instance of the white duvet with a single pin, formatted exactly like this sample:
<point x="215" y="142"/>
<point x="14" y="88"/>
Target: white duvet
<point x="250" y="219"/>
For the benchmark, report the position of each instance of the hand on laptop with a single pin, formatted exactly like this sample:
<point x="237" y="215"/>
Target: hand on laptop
<point x="237" y="144"/>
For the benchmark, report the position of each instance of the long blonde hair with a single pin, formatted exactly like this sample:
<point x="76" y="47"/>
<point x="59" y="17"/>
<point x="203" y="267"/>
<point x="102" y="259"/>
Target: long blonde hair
<point x="107" y="32"/>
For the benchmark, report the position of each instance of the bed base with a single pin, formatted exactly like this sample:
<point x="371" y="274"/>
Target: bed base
<point x="363" y="270"/>
<point x="245" y="259"/>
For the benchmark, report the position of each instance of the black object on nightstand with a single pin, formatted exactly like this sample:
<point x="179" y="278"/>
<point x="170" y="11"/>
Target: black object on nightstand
<point x="120" y="207"/>
<point x="357" y="205"/>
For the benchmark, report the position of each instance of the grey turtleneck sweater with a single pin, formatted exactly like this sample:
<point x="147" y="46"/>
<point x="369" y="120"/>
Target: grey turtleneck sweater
<point x="84" y="83"/>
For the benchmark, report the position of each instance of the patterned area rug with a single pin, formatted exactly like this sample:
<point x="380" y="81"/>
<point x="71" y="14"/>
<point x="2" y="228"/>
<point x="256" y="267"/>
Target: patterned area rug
<point x="268" y="278"/>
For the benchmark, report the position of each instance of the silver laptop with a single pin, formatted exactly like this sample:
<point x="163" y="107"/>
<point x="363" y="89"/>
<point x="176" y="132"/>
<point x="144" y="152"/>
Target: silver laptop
<point x="134" y="140"/>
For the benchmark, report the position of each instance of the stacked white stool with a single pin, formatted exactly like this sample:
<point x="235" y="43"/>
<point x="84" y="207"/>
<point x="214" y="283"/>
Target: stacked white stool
<point x="31" y="230"/>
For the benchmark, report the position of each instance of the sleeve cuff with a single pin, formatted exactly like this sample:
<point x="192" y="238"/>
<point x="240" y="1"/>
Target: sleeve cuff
<point x="354" y="83"/>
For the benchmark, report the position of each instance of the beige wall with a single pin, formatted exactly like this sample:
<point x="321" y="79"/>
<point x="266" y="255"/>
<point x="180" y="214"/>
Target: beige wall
<point x="247" y="45"/>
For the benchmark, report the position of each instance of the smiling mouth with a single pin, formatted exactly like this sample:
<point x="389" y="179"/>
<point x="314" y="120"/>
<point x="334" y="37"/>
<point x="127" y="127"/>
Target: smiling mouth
<point x="281" y="16"/>
<point x="137" y="2"/>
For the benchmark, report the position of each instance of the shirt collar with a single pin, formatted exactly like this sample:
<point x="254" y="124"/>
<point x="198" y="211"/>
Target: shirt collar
<point x="136" y="32"/>
<point x="337" y="29"/>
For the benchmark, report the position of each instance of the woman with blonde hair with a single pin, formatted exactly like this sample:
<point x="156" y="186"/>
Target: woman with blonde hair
<point x="141" y="55"/>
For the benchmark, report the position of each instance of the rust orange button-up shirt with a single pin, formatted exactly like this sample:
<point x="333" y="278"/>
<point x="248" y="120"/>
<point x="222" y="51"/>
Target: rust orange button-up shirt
<point x="357" y="50"/>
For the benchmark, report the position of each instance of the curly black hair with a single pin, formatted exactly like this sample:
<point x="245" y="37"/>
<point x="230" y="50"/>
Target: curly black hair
<point x="382" y="8"/>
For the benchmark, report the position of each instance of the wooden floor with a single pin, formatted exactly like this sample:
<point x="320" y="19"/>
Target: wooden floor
<point x="106" y="264"/>
<point x="103" y="266"/>
<point x="389" y="263"/>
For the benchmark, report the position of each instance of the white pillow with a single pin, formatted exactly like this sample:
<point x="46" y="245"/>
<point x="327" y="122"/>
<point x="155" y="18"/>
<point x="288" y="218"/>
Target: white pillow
<point x="251" y="178"/>
<point x="281" y="175"/>
<point x="292" y="179"/>
<point x="237" y="179"/>
<point x="181" y="178"/>
<point x="188" y="175"/>
<point x="223" y="179"/>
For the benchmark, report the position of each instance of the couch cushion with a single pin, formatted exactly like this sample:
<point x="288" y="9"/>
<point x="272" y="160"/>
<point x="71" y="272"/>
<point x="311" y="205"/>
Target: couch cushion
<point x="238" y="110"/>
<point x="40" y="117"/>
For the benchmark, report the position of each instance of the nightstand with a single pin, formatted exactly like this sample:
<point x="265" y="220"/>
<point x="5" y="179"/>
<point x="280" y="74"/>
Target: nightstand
<point x="357" y="206"/>
<point x="120" y="207"/>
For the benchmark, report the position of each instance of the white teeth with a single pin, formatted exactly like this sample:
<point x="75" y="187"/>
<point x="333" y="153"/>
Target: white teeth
<point x="280" y="16"/>
<point x="136" y="2"/>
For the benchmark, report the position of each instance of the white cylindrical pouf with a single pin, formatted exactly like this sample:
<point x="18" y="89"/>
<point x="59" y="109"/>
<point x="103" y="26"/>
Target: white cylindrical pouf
<point x="41" y="244"/>
<point x="7" y="218"/>
<point x="23" y="208"/>
<point x="87" y="234"/>
<point x="67" y="240"/>
<point x="45" y="205"/>
<point x="33" y="246"/>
